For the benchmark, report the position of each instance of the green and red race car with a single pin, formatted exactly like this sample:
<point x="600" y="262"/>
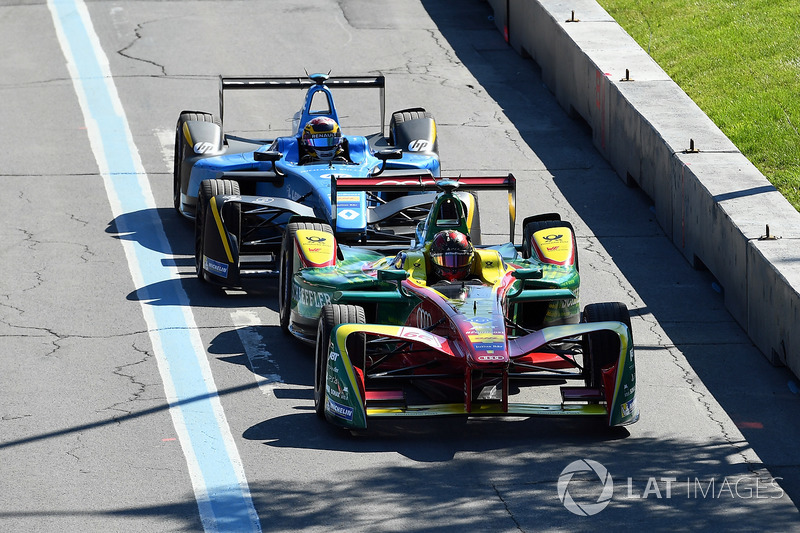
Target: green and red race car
<point x="449" y="327"/>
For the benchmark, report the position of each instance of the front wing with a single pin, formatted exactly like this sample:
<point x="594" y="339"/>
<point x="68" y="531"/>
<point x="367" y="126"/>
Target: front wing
<point x="347" y="401"/>
<point x="235" y="227"/>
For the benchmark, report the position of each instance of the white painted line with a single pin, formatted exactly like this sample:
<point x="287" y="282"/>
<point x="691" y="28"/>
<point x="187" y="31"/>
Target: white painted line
<point x="261" y="361"/>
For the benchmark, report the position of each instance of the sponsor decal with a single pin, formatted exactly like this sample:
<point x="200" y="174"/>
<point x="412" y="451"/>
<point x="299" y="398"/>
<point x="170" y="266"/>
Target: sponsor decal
<point x="553" y="245"/>
<point x="419" y="145"/>
<point x="487" y="338"/>
<point x="489" y="346"/>
<point x="215" y="267"/>
<point x="341" y="392"/>
<point x="628" y="407"/>
<point x="348" y="214"/>
<point x="263" y="200"/>
<point x="316" y="248"/>
<point x="339" y="410"/>
<point x="490" y="358"/>
<point x="418" y="335"/>
<point x="203" y="147"/>
<point x="423" y="317"/>
<point x="407" y="182"/>
<point x="310" y="298"/>
<point x="351" y="200"/>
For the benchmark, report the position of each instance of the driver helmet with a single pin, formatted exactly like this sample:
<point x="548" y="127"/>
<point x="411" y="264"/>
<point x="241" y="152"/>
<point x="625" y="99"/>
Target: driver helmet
<point x="322" y="138"/>
<point x="451" y="254"/>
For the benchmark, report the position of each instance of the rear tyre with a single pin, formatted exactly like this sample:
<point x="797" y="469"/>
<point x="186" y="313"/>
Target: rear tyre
<point x="534" y="226"/>
<point x="532" y="314"/>
<point x="183" y="150"/>
<point x="287" y="267"/>
<point x="601" y="348"/>
<point x="331" y="316"/>
<point x="402" y="130"/>
<point x="208" y="190"/>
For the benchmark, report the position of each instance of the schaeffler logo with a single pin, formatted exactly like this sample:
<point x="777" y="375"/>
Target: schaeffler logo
<point x="582" y="508"/>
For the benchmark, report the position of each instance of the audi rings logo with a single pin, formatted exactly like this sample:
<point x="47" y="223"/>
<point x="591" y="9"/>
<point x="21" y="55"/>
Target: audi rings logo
<point x="590" y="508"/>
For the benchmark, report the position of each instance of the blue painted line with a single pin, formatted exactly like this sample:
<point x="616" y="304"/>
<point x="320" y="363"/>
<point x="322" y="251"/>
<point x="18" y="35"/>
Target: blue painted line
<point x="223" y="496"/>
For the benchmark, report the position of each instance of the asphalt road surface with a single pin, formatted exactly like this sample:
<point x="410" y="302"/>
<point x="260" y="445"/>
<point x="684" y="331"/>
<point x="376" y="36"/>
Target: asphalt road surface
<point x="133" y="398"/>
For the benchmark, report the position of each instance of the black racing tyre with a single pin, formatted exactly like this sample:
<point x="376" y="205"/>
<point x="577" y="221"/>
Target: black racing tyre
<point x="398" y="117"/>
<point x="331" y="316"/>
<point x="601" y="348"/>
<point x="286" y="267"/>
<point x="410" y="114"/>
<point x="536" y="225"/>
<point x="211" y="188"/>
<point x="208" y="189"/>
<point x="183" y="150"/>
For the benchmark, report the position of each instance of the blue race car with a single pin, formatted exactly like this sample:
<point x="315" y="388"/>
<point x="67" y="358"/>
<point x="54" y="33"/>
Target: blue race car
<point x="243" y="192"/>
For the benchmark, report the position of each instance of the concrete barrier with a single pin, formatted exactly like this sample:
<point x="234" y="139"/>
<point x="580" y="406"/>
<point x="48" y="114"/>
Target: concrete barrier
<point x="709" y="199"/>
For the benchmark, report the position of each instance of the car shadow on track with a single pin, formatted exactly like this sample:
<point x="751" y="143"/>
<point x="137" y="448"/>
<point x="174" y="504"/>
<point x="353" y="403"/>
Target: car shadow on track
<point x="146" y="228"/>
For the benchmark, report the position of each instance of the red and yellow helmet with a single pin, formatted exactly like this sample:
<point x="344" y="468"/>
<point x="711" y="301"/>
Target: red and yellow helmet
<point x="451" y="255"/>
<point x="322" y="138"/>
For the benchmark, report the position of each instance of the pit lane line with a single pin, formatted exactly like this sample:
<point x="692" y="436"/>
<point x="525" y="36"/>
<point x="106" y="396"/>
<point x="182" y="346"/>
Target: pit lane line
<point x="215" y="468"/>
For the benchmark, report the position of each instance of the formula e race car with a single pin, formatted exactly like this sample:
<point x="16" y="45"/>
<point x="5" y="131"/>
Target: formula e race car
<point x="243" y="191"/>
<point x="447" y="327"/>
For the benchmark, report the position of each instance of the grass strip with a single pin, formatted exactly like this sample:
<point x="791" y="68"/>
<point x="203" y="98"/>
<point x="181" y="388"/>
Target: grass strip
<point x="739" y="60"/>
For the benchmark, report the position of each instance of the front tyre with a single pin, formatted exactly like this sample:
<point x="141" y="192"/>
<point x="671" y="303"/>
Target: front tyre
<point x="331" y="316"/>
<point x="184" y="150"/>
<point x="287" y="267"/>
<point x="208" y="190"/>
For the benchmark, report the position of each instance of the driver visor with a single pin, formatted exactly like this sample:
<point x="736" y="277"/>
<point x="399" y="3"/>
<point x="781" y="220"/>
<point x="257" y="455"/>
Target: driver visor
<point x="323" y="141"/>
<point x="452" y="259"/>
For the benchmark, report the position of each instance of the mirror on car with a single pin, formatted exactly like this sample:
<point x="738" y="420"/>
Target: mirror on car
<point x="390" y="153"/>
<point x="270" y="155"/>
<point x="527" y="273"/>
<point x="392" y="275"/>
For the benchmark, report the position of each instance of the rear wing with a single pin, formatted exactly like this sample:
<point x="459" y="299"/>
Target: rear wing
<point x="304" y="82"/>
<point x="407" y="182"/>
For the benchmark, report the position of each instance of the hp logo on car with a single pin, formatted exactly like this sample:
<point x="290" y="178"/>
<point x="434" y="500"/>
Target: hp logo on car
<point x="203" y="148"/>
<point x="591" y="508"/>
<point x="419" y="145"/>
